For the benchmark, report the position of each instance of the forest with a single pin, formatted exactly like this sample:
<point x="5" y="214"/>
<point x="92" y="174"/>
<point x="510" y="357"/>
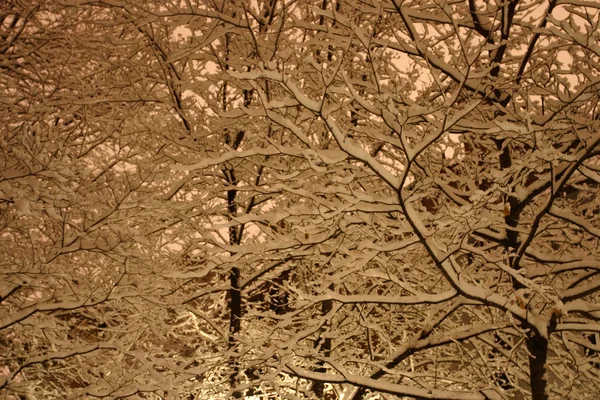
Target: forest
<point x="299" y="199"/>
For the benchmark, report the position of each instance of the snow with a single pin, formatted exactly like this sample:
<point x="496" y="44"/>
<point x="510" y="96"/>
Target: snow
<point x="419" y="298"/>
<point x="392" y="388"/>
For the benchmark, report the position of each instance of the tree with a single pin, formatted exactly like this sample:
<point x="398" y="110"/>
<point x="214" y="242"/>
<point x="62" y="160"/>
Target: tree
<point x="349" y="199"/>
<point x="86" y="271"/>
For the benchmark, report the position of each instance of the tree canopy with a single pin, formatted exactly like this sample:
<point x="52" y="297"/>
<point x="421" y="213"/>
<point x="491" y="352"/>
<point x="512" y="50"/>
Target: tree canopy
<point x="296" y="199"/>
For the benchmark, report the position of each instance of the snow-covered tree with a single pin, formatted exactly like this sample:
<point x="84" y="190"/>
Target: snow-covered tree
<point x="89" y="227"/>
<point x="335" y="199"/>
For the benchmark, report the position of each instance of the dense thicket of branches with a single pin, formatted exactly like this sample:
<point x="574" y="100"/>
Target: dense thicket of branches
<point x="336" y="199"/>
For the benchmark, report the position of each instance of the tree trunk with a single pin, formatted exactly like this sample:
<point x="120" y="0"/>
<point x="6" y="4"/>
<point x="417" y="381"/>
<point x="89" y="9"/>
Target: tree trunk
<point x="538" y="351"/>
<point x="325" y="347"/>
<point x="235" y="309"/>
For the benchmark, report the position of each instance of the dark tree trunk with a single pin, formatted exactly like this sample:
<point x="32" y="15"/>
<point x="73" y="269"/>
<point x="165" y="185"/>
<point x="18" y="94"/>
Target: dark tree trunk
<point x="235" y="310"/>
<point x="538" y="351"/>
<point x="324" y="345"/>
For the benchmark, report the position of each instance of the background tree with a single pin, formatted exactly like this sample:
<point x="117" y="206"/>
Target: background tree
<point x="88" y="116"/>
<point x="295" y="199"/>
